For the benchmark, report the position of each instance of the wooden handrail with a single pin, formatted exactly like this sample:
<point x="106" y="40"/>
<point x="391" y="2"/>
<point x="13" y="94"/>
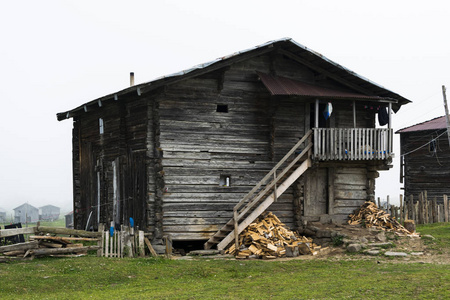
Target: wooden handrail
<point x="246" y="197"/>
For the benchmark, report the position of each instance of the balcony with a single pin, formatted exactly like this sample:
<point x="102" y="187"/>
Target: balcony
<point x="352" y="144"/>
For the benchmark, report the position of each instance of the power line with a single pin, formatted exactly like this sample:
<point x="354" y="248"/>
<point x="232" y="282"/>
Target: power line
<point x="426" y="144"/>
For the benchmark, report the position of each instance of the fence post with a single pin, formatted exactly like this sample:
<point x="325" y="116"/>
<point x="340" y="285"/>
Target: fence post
<point x="379" y="203"/>
<point x="445" y="208"/>
<point x="435" y="211"/>
<point x="427" y="211"/>
<point x="101" y="229"/>
<point x="387" y="204"/>
<point x="401" y="208"/>
<point x="141" y="243"/>
<point x="421" y="210"/>
<point x="411" y="200"/>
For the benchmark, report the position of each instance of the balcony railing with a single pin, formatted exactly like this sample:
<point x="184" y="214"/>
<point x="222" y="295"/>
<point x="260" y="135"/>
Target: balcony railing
<point x="352" y="143"/>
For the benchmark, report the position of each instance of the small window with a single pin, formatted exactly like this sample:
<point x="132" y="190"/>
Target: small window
<point x="222" y="108"/>
<point x="225" y="180"/>
<point x="100" y="124"/>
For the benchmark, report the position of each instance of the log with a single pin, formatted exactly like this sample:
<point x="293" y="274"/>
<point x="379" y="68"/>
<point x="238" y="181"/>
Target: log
<point x="60" y="238"/>
<point x="410" y="226"/>
<point x="20" y="246"/>
<point x="49" y="251"/>
<point x="16" y="231"/>
<point x="68" y="231"/>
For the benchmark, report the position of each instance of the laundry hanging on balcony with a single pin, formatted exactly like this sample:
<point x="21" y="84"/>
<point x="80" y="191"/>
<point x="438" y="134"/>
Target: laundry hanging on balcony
<point x="383" y="116"/>
<point x="328" y="110"/>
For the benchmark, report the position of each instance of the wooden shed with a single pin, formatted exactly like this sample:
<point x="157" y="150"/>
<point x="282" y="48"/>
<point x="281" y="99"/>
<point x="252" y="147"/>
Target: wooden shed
<point x="195" y="154"/>
<point x="425" y="159"/>
<point x="26" y="213"/>
<point x="49" y="212"/>
<point x="2" y="215"/>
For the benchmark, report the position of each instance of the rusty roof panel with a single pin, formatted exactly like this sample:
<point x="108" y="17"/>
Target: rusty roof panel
<point x="278" y="85"/>
<point x="433" y="124"/>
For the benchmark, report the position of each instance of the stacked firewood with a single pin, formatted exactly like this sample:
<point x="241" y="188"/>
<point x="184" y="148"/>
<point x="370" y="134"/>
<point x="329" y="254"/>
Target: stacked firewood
<point x="268" y="238"/>
<point x="370" y="215"/>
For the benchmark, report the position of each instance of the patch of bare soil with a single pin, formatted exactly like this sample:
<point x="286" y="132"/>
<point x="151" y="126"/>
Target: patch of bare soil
<point x="373" y="240"/>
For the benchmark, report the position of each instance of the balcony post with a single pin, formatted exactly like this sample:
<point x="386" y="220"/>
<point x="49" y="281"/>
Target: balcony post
<point x="316" y="114"/>
<point x="389" y="114"/>
<point x="354" y="114"/>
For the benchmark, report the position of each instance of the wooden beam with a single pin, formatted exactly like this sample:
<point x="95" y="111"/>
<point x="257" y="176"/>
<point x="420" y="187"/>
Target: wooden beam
<point x="19" y="246"/>
<point x="49" y="251"/>
<point x="325" y="72"/>
<point x="58" y="230"/>
<point x="17" y="231"/>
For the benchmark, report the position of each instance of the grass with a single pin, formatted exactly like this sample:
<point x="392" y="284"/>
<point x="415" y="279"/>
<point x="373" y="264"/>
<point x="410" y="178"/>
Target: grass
<point x="441" y="233"/>
<point x="61" y="222"/>
<point x="157" y="278"/>
<point x="99" y="278"/>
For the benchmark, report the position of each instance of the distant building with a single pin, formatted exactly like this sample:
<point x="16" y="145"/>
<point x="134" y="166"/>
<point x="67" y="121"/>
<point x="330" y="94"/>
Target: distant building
<point x="69" y="220"/>
<point x="2" y="215"/>
<point x="49" y="212"/>
<point x="26" y="213"/>
<point x="425" y="159"/>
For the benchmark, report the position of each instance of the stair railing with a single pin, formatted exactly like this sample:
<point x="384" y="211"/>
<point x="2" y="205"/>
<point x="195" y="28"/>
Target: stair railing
<point x="251" y="199"/>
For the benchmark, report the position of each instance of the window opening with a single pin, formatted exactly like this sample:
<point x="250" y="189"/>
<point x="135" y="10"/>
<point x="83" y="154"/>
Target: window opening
<point x="225" y="180"/>
<point x="101" y="127"/>
<point x="222" y="108"/>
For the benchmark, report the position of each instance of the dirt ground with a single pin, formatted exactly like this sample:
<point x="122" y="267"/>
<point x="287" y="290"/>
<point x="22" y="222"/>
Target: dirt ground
<point x="407" y="244"/>
<point x="414" y="247"/>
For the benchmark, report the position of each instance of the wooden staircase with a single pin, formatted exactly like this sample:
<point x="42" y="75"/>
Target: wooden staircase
<point x="275" y="183"/>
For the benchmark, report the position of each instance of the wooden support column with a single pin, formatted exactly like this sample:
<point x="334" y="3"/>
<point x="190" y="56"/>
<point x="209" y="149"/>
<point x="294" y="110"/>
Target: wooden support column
<point x="354" y="114"/>
<point x="389" y="114"/>
<point x="445" y="208"/>
<point x="316" y="114"/>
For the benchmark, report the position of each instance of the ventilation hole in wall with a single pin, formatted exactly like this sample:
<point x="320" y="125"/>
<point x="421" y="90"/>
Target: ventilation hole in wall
<point x="225" y="180"/>
<point x="222" y="108"/>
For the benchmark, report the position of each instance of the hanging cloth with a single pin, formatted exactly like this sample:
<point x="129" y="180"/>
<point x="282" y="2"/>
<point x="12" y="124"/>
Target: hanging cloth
<point x="328" y="110"/>
<point x="383" y="116"/>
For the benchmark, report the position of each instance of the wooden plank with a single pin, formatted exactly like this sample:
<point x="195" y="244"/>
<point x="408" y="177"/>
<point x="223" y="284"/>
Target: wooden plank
<point x="150" y="247"/>
<point x="60" y="230"/>
<point x="446" y="212"/>
<point x="60" y="238"/>
<point x="19" y="246"/>
<point x="141" y="243"/>
<point x="49" y="251"/>
<point x="17" y="231"/>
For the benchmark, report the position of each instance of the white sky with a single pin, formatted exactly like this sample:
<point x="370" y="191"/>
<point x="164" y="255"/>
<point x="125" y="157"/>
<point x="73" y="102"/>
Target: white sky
<point x="56" y="55"/>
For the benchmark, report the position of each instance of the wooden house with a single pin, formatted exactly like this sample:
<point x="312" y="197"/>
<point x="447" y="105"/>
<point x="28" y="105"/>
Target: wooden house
<point x="2" y="215"/>
<point x="26" y="213"/>
<point x="425" y="159"/>
<point x="49" y="212"/>
<point x="195" y="154"/>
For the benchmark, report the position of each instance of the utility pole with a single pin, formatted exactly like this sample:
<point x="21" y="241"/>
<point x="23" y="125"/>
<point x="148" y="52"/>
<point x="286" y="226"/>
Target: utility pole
<point x="446" y="114"/>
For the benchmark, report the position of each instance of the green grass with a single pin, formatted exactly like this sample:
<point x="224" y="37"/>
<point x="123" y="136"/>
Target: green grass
<point x="441" y="233"/>
<point x="142" y="278"/>
<point x="98" y="278"/>
<point x="61" y="222"/>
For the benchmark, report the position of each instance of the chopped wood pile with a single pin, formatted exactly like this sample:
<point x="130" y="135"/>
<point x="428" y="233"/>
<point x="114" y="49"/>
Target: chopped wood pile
<point x="268" y="238"/>
<point x="370" y="215"/>
<point x="44" y="245"/>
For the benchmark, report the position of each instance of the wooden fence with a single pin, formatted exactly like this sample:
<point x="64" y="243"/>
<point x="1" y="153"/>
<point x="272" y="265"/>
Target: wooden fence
<point x="352" y="143"/>
<point x="44" y="241"/>
<point x="420" y="209"/>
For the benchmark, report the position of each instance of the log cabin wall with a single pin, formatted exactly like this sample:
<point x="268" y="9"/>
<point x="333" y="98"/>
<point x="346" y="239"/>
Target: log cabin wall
<point x="427" y="168"/>
<point x="218" y="126"/>
<point x="110" y="168"/>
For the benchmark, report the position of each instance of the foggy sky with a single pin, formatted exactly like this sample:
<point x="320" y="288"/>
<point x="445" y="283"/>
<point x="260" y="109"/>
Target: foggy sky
<point x="57" y="55"/>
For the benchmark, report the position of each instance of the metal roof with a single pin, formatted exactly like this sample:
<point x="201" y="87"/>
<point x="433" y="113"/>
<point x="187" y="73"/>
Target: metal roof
<point x="278" y="85"/>
<point x="433" y="124"/>
<point x="285" y="46"/>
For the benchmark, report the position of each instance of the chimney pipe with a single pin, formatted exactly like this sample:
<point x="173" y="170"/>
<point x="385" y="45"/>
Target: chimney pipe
<point x="131" y="78"/>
